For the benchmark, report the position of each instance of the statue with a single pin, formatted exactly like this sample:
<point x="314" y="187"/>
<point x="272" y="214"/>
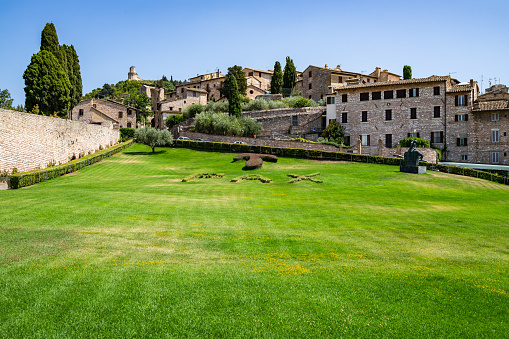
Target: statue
<point x="412" y="158"/>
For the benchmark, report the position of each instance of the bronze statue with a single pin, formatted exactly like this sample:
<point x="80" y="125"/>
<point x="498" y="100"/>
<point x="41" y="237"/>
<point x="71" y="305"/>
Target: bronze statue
<point x="412" y="156"/>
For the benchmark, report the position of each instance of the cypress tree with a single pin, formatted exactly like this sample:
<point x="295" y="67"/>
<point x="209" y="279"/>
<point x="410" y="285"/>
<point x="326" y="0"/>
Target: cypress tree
<point x="276" y="83"/>
<point x="240" y="78"/>
<point x="47" y="85"/>
<point x="289" y="76"/>
<point x="407" y="72"/>
<point x="54" y="84"/>
<point x="74" y="74"/>
<point x="49" y="42"/>
<point x="234" y="107"/>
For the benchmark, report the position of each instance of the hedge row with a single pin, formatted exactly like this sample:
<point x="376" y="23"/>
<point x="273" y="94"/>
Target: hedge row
<point x="20" y="180"/>
<point x="330" y="155"/>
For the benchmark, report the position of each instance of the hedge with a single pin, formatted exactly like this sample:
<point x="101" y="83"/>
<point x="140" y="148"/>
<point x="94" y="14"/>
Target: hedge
<point x="20" y="180"/>
<point x="335" y="156"/>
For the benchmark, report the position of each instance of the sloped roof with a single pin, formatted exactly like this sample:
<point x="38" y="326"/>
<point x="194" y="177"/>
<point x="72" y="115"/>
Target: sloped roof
<point x="433" y="78"/>
<point x="459" y="88"/>
<point x="491" y="105"/>
<point x="259" y="70"/>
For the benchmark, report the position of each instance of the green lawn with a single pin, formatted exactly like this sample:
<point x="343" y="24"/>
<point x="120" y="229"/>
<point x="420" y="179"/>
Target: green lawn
<point x="124" y="249"/>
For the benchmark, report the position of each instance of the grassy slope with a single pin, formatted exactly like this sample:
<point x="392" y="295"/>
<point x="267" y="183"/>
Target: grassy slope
<point x="124" y="249"/>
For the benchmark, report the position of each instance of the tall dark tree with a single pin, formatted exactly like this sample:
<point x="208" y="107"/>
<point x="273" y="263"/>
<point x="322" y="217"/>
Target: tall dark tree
<point x="64" y="77"/>
<point x="47" y="85"/>
<point x="234" y="107"/>
<point x="74" y="74"/>
<point x="239" y="77"/>
<point x="289" y="76"/>
<point x="276" y="83"/>
<point x="49" y="42"/>
<point x="407" y="72"/>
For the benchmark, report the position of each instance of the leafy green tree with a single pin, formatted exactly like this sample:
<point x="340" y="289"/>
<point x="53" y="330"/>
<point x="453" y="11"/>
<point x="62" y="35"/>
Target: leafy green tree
<point x="276" y="83"/>
<point x="140" y="102"/>
<point x="191" y="111"/>
<point x="47" y="85"/>
<point x="173" y="120"/>
<point x="289" y="76"/>
<point x="302" y="102"/>
<point x="240" y="78"/>
<point x="5" y="99"/>
<point x="334" y="132"/>
<point x="106" y="92"/>
<point x="153" y="137"/>
<point x="407" y="72"/>
<point x="234" y="107"/>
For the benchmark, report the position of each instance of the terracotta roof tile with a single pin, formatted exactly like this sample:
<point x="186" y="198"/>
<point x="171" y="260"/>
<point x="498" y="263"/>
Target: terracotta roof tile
<point x="433" y="78"/>
<point x="491" y="105"/>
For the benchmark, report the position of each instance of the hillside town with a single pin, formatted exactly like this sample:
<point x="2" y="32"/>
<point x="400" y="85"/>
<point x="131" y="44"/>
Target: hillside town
<point x="467" y="126"/>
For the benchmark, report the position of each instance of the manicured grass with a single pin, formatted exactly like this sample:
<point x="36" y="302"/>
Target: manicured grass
<point x="125" y="249"/>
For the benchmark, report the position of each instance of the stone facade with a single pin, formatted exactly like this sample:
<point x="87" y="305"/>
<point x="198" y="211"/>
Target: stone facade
<point x="262" y="78"/>
<point x="96" y="111"/>
<point x="29" y="141"/>
<point x="434" y="108"/>
<point x="316" y="81"/>
<point x="490" y="125"/>
<point x="294" y="122"/>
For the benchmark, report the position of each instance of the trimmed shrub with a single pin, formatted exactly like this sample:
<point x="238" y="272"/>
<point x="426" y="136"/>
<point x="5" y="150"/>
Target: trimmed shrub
<point x="126" y="133"/>
<point x="419" y="142"/>
<point x="253" y="163"/>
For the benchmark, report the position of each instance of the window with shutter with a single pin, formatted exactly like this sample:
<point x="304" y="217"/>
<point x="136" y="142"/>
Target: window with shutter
<point x="413" y="113"/>
<point x="376" y="95"/>
<point x="388" y="94"/>
<point x="436" y="112"/>
<point x="436" y="90"/>
<point x="364" y="96"/>
<point x="344" y="118"/>
<point x="388" y="140"/>
<point x="388" y="114"/>
<point x="364" y="117"/>
<point x="401" y="93"/>
<point x="344" y="98"/>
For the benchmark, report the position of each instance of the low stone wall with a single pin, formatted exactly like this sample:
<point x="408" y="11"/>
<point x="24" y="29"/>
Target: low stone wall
<point x="429" y="154"/>
<point x="29" y="141"/>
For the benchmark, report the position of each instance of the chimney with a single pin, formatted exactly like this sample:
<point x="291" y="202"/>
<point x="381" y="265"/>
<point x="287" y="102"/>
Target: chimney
<point x="471" y="82"/>
<point x="326" y="66"/>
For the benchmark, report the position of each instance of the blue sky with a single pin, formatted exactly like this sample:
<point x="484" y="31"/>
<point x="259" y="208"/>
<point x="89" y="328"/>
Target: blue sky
<point x="186" y="38"/>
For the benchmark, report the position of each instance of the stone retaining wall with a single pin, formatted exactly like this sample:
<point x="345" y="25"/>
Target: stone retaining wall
<point x="29" y="141"/>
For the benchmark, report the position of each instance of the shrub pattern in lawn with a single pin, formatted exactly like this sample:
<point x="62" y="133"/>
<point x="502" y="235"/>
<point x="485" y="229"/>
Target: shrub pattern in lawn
<point x="203" y="176"/>
<point x="252" y="177"/>
<point x="308" y="177"/>
<point x="254" y="161"/>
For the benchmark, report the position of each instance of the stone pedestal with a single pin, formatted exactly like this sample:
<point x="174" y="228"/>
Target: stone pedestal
<point x="413" y="169"/>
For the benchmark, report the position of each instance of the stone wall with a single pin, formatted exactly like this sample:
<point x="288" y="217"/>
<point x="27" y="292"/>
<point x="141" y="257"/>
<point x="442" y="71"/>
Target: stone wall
<point x="298" y="122"/>
<point x="29" y="142"/>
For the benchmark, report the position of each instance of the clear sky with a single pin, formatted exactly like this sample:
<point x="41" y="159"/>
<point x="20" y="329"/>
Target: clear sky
<point x="184" y="38"/>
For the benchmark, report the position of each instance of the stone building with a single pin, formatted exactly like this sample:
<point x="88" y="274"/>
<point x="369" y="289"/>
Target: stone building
<point x="97" y="111"/>
<point x="258" y="78"/>
<point x="489" y="143"/>
<point x="132" y="75"/>
<point x="315" y="82"/>
<point x="435" y="108"/>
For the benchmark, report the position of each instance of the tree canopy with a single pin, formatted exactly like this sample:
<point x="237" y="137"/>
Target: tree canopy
<point x="276" y="83"/>
<point x="240" y="78"/>
<point x="234" y="106"/>
<point x="47" y="85"/>
<point x="289" y="76"/>
<point x="5" y="99"/>
<point x="153" y="137"/>
<point x="53" y="77"/>
<point x="334" y="132"/>
<point x="407" y="72"/>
